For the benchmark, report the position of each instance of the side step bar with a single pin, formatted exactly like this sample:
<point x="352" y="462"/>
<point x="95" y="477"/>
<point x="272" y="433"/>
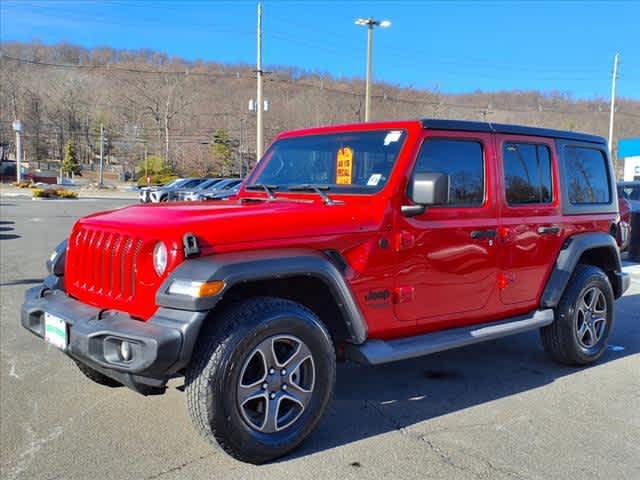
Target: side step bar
<point x="374" y="352"/>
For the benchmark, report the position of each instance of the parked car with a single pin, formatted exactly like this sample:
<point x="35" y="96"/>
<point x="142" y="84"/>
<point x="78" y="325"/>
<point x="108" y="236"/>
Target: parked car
<point x="188" y="194"/>
<point x="630" y="191"/>
<point x="218" y="188"/>
<point x="164" y="194"/>
<point x="381" y="241"/>
<point x="629" y="203"/>
<point x="145" y="192"/>
<point x="226" y="194"/>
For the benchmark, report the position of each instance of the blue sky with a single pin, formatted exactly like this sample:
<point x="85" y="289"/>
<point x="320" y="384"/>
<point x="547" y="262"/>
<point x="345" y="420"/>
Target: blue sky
<point x="453" y="46"/>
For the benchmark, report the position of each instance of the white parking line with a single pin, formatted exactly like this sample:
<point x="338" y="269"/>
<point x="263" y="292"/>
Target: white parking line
<point x="631" y="267"/>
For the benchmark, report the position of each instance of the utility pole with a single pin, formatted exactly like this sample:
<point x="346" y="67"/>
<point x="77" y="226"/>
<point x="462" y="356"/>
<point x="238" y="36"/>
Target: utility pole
<point x="370" y="23"/>
<point x="259" y="101"/>
<point x="146" y="165"/>
<point x="17" y="127"/>
<point x="613" y="102"/>
<point x="101" y="154"/>
<point x="242" y="169"/>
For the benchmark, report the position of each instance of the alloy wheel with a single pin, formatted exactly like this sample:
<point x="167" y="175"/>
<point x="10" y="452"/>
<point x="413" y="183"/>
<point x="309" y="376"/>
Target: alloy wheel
<point x="276" y="383"/>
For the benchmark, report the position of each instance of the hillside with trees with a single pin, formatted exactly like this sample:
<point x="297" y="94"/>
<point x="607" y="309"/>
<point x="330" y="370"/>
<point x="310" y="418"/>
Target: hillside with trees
<point x="193" y="116"/>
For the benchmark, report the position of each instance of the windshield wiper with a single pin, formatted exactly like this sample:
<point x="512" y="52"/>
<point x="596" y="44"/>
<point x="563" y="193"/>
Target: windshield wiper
<point x="309" y="187"/>
<point x="263" y="186"/>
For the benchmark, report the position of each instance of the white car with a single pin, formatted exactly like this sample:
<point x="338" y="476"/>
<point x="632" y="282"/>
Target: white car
<point x="145" y="192"/>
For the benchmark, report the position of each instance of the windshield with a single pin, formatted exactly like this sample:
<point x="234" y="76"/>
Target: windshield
<point x="174" y="182"/>
<point x="352" y="162"/>
<point x="231" y="184"/>
<point x="630" y="192"/>
<point x="209" y="183"/>
<point x="190" y="183"/>
<point x="221" y="185"/>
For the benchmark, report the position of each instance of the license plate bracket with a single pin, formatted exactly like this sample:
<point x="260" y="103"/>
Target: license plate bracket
<point x="56" y="331"/>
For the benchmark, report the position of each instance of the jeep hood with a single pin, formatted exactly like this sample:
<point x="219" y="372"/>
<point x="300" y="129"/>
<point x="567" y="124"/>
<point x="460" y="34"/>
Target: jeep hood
<point x="216" y="224"/>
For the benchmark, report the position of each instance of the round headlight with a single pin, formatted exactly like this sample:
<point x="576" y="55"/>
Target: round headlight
<point x="160" y="258"/>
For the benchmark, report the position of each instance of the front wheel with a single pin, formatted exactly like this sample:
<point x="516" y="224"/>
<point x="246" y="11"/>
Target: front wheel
<point x="584" y="317"/>
<point x="261" y="378"/>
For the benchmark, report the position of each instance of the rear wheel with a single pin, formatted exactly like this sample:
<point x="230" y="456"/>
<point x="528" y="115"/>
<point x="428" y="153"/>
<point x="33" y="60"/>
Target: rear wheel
<point x="261" y="378"/>
<point x="584" y="318"/>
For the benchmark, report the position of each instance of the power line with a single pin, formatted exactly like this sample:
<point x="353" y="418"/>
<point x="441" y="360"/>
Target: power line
<point x="295" y="83"/>
<point x="114" y="67"/>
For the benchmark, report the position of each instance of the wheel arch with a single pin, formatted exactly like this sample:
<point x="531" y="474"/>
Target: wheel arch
<point x="595" y="248"/>
<point x="308" y="277"/>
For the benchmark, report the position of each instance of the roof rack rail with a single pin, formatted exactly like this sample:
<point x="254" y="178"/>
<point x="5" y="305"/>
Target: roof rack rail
<point x="471" y="126"/>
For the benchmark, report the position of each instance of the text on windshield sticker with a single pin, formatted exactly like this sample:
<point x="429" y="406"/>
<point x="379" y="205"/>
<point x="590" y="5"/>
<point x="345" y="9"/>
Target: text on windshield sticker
<point x="344" y="166"/>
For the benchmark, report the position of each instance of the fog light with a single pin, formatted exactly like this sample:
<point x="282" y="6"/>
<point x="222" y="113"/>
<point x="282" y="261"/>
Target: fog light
<point x="125" y="351"/>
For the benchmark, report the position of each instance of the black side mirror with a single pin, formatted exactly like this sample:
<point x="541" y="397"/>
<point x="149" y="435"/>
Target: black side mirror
<point x="427" y="189"/>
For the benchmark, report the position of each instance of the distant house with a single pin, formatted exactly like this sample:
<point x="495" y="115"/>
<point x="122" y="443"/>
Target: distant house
<point x="629" y="156"/>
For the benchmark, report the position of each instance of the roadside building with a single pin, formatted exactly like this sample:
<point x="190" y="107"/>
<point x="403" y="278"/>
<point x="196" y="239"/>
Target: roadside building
<point x="629" y="157"/>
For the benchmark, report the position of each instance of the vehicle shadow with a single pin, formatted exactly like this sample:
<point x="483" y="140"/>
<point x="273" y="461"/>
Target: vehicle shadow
<point x="24" y="281"/>
<point x="7" y="226"/>
<point x="9" y="236"/>
<point x="370" y="401"/>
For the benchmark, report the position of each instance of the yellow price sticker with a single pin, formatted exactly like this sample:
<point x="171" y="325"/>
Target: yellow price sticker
<point x="344" y="166"/>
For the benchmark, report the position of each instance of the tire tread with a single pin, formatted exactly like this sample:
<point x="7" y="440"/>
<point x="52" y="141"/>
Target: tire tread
<point x="208" y="355"/>
<point x="558" y="337"/>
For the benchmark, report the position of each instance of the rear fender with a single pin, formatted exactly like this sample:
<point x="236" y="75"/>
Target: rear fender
<point x="575" y="248"/>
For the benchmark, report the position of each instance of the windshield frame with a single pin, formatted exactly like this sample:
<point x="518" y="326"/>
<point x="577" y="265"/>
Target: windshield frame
<point x="333" y="189"/>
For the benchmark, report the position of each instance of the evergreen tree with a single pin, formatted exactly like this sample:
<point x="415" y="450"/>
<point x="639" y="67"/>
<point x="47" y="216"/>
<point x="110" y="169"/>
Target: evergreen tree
<point x="70" y="163"/>
<point x="221" y="151"/>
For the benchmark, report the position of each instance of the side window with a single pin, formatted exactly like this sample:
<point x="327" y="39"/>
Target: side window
<point x="463" y="161"/>
<point x="527" y="173"/>
<point x="587" y="176"/>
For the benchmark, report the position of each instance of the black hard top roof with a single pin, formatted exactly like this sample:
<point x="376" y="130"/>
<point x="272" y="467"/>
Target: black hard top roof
<point x="469" y="126"/>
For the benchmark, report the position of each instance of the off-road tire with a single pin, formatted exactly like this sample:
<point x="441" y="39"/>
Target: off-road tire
<point x="96" y="376"/>
<point x="560" y="339"/>
<point x="224" y="344"/>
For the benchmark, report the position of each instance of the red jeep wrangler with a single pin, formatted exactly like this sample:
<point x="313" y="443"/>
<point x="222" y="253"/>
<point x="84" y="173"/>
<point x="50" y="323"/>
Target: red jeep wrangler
<point x="380" y="241"/>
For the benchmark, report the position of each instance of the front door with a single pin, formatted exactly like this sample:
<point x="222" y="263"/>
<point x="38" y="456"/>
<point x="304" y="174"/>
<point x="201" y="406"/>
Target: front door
<point x="448" y="256"/>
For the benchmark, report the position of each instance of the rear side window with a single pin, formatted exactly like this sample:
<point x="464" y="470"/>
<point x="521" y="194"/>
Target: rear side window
<point x="462" y="161"/>
<point x="587" y="176"/>
<point x="527" y="173"/>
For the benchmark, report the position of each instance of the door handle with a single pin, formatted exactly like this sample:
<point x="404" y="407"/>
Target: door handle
<point x="548" y="230"/>
<point x="476" y="234"/>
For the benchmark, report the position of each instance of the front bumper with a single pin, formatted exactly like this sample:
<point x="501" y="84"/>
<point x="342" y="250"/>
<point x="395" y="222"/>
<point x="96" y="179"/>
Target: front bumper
<point x="161" y="347"/>
<point x="623" y="235"/>
<point x="145" y="196"/>
<point x="625" y="281"/>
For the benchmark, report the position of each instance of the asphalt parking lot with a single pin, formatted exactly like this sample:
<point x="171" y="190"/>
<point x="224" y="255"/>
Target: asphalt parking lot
<point x="496" y="410"/>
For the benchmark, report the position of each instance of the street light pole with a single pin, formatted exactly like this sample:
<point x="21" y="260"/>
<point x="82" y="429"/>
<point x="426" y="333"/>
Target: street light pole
<point x="17" y="127"/>
<point x="370" y="23"/>
<point x="367" y="90"/>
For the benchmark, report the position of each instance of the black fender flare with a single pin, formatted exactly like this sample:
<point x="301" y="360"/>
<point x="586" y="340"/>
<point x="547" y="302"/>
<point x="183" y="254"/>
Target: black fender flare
<point x="242" y="267"/>
<point x="573" y="248"/>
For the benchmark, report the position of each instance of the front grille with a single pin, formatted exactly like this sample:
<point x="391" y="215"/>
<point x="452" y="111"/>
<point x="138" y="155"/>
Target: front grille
<point x="103" y="263"/>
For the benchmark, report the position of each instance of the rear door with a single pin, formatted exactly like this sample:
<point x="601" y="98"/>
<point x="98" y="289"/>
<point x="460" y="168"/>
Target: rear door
<point x="447" y="256"/>
<point x="530" y="216"/>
